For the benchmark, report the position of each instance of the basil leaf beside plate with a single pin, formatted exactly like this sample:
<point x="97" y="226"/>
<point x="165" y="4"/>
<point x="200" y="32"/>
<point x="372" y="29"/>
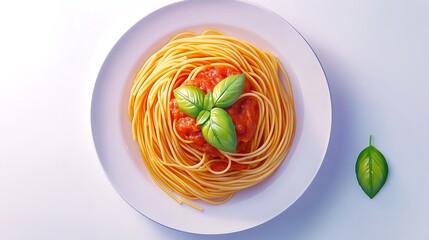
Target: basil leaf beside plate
<point x="227" y="91"/>
<point x="219" y="131"/>
<point x="371" y="170"/>
<point x="190" y="100"/>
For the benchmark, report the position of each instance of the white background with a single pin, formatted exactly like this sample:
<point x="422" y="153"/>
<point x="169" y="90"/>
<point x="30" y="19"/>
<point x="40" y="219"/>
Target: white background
<point x="375" y="55"/>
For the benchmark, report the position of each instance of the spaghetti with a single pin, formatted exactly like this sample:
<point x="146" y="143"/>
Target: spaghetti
<point x="174" y="162"/>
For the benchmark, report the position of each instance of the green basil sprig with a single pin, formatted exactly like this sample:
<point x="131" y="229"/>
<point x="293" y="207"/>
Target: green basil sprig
<point x="371" y="170"/>
<point x="217" y="127"/>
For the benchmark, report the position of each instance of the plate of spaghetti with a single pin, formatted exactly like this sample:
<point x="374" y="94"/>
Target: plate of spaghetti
<point x="210" y="120"/>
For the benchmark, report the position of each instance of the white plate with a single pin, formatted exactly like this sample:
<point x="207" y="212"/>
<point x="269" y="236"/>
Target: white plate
<point x="120" y="156"/>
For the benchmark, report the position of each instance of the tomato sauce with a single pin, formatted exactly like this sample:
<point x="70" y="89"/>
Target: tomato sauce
<point x="244" y="114"/>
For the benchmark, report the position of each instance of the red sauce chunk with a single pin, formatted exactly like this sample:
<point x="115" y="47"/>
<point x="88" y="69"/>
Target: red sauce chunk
<point x="244" y="114"/>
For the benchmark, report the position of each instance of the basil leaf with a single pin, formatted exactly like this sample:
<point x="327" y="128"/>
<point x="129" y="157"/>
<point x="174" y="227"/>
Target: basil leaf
<point x="227" y="91"/>
<point x="208" y="101"/>
<point x="203" y="116"/>
<point x="371" y="170"/>
<point x="219" y="131"/>
<point x="190" y="100"/>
